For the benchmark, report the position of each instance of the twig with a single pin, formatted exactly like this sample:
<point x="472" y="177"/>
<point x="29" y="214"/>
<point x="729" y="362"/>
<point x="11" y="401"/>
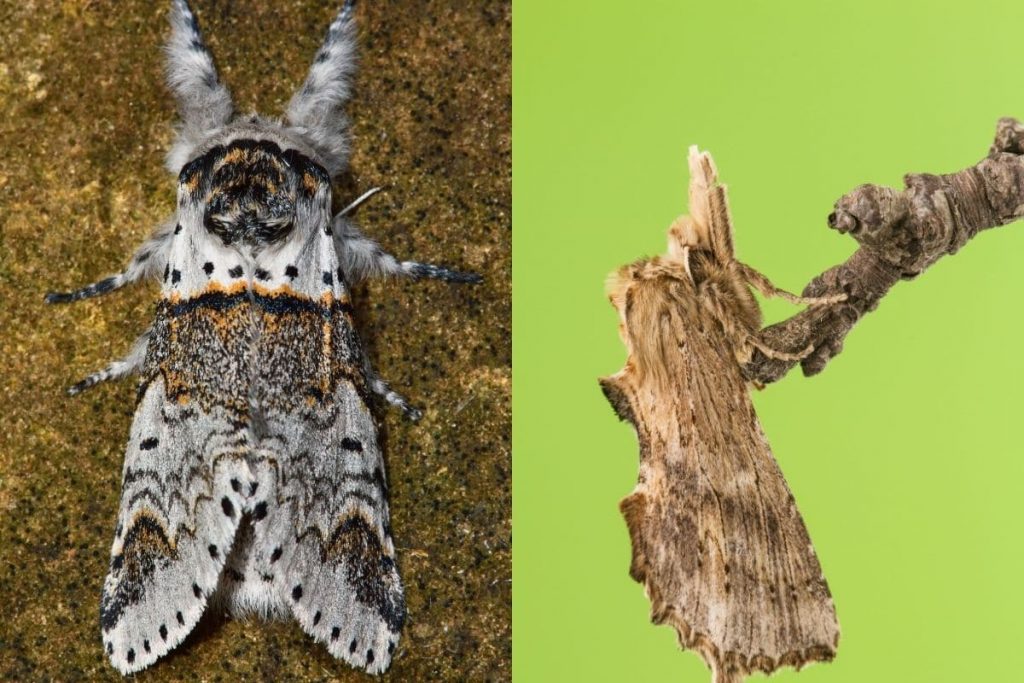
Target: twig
<point x="901" y="234"/>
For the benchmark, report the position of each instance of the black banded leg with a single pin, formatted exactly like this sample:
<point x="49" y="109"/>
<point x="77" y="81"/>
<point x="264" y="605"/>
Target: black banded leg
<point x="104" y="286"/>
<point x="381" y="388"/>
<point x="129" y="365"/>
<point x="420" y="271"/>
<point x="149" y="261"/>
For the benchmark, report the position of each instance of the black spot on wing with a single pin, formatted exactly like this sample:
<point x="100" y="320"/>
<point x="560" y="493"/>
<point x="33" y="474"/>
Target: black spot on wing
<point x="145" y="548"/>
<point x="149" y="444"/>
<point x="369" y="570"/>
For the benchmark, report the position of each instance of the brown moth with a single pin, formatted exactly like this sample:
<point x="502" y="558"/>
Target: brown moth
<point x="717" y="540"/>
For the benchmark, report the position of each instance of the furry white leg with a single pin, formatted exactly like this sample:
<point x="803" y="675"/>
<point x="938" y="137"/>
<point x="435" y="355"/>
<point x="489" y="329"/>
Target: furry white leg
<point x="129" y="365"/>
<point x="381" y="388"/>
<point x="362" y="258"/>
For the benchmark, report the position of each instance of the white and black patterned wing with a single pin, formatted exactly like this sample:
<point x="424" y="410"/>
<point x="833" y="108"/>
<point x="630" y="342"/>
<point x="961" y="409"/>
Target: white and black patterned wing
<point x="186" y="476"/>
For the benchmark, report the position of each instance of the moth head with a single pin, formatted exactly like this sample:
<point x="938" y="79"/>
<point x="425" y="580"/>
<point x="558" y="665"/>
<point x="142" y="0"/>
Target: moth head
<point x="658" y="299"/>
<point x="251" y="192"/>
<point x="710" y="265"/>
<point x="684" y="235"/>
<point x="251" y="196"/>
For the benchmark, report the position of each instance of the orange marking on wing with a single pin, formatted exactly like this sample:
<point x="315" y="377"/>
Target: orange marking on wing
<point x="176" y="297"/>
<point x="233" y="288"/>
<point x="280" y="290"/>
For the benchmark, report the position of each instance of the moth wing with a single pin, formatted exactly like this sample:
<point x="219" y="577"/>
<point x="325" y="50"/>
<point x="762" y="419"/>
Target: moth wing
<point x="185" y="476"/>
<point x="717" y="539"/>
<point x="330" y="532"/>
<point x="323" y="540"/>
<point x="176" y="524"/>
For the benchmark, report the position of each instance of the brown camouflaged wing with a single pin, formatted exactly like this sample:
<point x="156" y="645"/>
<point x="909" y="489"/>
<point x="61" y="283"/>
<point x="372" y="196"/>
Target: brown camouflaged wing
<point x="717" y="540"/>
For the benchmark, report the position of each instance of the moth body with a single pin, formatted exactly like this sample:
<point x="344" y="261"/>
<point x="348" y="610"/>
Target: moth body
<point x="717" y="540"/>
<point x="253" y="479"/>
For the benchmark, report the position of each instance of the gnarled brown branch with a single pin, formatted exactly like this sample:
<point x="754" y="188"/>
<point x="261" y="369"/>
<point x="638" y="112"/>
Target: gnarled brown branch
<point x="901" y="233"/>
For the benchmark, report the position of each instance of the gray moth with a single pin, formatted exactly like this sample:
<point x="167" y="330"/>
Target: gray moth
<point x="253" y="479"/>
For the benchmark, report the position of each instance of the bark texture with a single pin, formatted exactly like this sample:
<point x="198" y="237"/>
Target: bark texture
<point x="901" y="233"/>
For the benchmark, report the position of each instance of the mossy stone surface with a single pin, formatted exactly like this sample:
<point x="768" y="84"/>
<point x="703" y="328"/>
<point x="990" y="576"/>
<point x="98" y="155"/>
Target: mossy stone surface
<point x="84" y="122"/>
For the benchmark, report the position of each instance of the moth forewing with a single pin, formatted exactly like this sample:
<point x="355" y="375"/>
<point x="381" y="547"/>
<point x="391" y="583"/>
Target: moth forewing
<point x="717" y="539"/>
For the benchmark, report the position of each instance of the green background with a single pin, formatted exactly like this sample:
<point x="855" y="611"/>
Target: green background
<point x="905" y="454"/>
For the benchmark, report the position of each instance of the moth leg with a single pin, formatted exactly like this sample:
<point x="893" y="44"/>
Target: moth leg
<point x="761" y="282"/>
<point x="776" y="354"/>
<point x="736" y="329"/>
<point x="384" y="390"/>
<point x="149" y="261"/>
<point x="362" y="258"/>
<point x="119" y="369"/>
